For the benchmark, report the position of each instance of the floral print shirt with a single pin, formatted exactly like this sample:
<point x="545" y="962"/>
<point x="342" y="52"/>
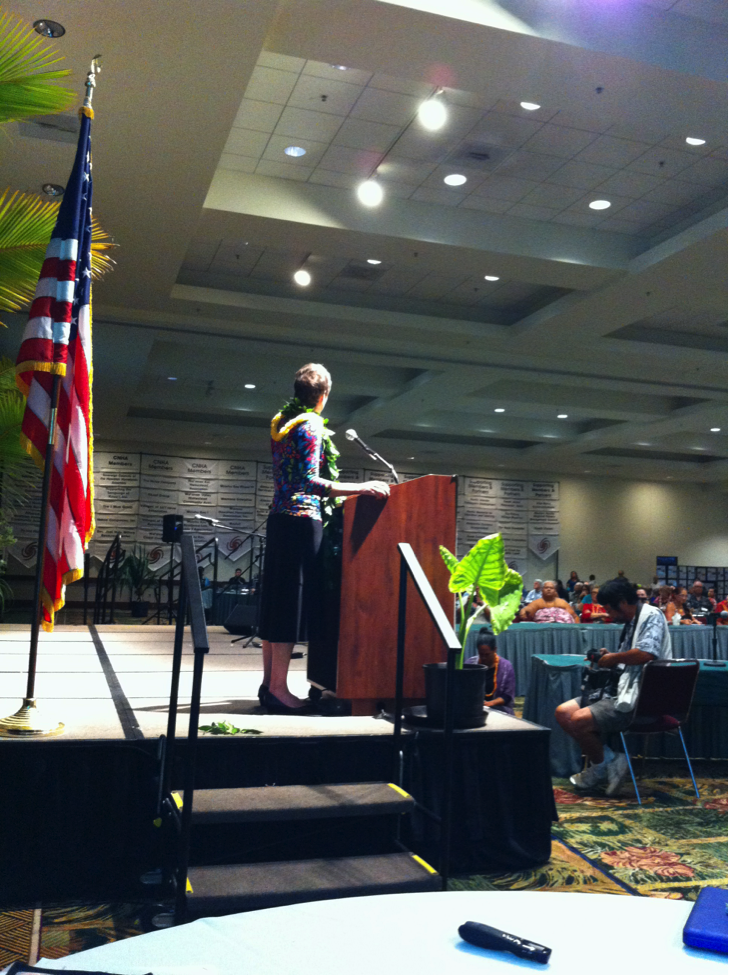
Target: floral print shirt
<point x="298" y="488"/>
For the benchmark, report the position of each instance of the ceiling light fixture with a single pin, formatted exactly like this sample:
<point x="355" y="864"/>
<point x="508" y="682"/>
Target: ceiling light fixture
<point x="716" y="429"/>
<point x="371" y="260"/>
<point x="499" y="409"/>
<point x="339" y="67"/>
<point x="600" y="204"/>
<point x="302" y="278"/>
<point x="695" y="142"/>
<point x="432" y="114"/>
<point x="49" y="28"/>
<point x="250" y="386"/>
<point x="53" y="189"/>
<point x="455" y="179"/>
<point x="642" y="443"/>
<point x="530" y="106"/>
<point x="490" y="277"/>
<point x="172" y="379"/>
<point x="295" y="151"/>
<point x="562" y="416"/>
<point x="370" y="193"/>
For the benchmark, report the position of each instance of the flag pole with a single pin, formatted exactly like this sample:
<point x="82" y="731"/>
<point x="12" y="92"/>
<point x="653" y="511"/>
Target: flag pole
<point x="27" y="722"/>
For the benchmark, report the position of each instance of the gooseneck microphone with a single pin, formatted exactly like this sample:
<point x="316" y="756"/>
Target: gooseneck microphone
<point x="484" y="936"/>
<point x="352" y="435"/>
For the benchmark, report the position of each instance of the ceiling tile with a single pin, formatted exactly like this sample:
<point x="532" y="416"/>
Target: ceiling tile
<point x="454" y="96"/>
<point x="416" y="144"/>
<point x="590" y="121"/>
<point x="241" y="164"/>
<point x="343" y="160"/>
<point x="351" y="76"/>
<point x="400" y="191"/>
<point x="485" y="203"/>
<point x="325" y="177"/>
<point x="557" y="140"/>
<point x="553" y="196"/>
<point x="645" y="210"/>
<point x="446" y="196"/>
<point x="580" y="174"/>
<point x="434" y="286"/>
<point x="283" y="62"/>
<point x="616" y="203"/>
<point x="266" y="167"/>
<point x="676" y="191"/>
<point x="269" y="85"/>
<point x="398" y="280"/>
<point x="474" y="178"/>
<point x="630" y="184"/>
<point x="573" y="219"/>
<point x="357" y="133"/>
<point x="277" y="144"/>
<point x="300" y="123"/>
<point x="349" y="284"/>
<point x="618" y="226"/>
<point x="712" y="11"/>
<point x="527" y="212"/>
<point x="720" y="153"/>
<point x="529" y="165"/>
<point x="377" y="105"/>
<point x="607" y="151"/>
<point x="678" y="141"/>
<point x="507" y="131"/>
<point x="638" y="131"/>
<point x="261" y="116"/>
<point x="402" y="86"/>
<point x="710" y="171"/>
<point x="240" y="252"/>
<point x="506" y="188"/>
<point x="324" y="95"/>
<point x="542" y="114"/>
<point x="246" y="142"/>
<point x="660" y="161"/>
<point x="463" y="294"/>
<point x="405" y="170"/>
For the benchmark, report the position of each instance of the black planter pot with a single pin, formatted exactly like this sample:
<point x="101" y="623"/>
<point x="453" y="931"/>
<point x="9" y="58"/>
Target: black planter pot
<point x="470" y="690"/>
<point x="140" y="609"/>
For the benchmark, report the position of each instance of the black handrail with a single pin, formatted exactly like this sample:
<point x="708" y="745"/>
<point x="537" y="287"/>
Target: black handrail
<point x="409" y="564"/>
<point x="189" y="605"/>
<point x="170" y="580"/>
<point x="106" y="580"/>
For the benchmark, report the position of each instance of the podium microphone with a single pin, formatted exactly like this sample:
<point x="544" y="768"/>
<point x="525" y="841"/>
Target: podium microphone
<point x="210" y="521"/>
<point x="352" y="435"/>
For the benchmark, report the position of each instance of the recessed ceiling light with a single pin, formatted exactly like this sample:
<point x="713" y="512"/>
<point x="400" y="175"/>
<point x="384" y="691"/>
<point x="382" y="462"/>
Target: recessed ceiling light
<point x="600" y="204"/>
<point x="642" y="443"/>
<point x="432" y="114"/>
<point x="698" y="448"/>
<point x="295" y="151"/>
<point x="499" y="409"/>
<point x="455" y="179"/>
<point x="53" y="189"/>
<point x="562" y="416"/>
<point x="303" y="278"/>
<point x="716" y="429"/>
<point x="172" y="379"/>
<point x="411" y="458"/>
<point x="250" y="386"/>
<point x="491" y="277"/>
<point x="695" y="142"/>
<point x="587" y="472"/>
<point x="371" y="260"/>
<point x="49" y="28"/>
<point x="530" y="106"/>
<point x="339" y="67"/>
<point x="370" y="193"/>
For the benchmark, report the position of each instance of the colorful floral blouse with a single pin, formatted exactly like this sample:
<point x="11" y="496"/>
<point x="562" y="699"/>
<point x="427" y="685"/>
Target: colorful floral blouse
<point x="298" y="488"/>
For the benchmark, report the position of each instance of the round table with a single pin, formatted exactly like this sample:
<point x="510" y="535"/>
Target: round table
<point x="415" y="933"/>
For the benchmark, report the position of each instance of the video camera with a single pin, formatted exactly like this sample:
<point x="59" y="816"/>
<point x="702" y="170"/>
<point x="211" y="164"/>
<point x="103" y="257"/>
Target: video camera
<point x="597" y="681"/>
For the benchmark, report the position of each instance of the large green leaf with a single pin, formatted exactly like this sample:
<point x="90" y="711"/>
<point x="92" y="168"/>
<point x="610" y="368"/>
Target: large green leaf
<point x="27" y="80"/>
<point x="26" y="225"/>
<point x="483" y="568"/>
<point x="449" y="558"/>
<point x="507" y="606"/>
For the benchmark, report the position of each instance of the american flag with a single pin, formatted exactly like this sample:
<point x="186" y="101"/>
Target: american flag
<point x="57" y="341"/>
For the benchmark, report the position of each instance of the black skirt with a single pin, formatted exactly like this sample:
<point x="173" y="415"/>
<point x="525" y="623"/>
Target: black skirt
<point x="292" y="546"/>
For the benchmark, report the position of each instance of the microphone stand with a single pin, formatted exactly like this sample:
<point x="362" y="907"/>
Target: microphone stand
<point x="375" y="456"/>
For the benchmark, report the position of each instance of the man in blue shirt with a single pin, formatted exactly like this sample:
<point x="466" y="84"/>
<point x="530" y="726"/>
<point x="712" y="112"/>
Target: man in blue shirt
<point x="535" y="593"/>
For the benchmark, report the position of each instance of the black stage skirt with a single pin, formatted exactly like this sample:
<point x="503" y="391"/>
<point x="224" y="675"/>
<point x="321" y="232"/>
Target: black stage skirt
<point x="292" y="546"/>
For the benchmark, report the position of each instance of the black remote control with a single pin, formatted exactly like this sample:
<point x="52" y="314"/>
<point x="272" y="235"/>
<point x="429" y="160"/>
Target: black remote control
<point x="484" y="936"/>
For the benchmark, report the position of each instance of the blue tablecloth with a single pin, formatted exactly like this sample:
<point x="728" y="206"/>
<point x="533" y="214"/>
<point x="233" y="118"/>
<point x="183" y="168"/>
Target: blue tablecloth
<point x="557" y="677"/>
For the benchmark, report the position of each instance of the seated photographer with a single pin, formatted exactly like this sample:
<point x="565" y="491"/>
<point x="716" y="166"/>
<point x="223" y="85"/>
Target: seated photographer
<point x="606" y="709"/>
<point x="500" y="678"/>
<point x="549" y="608"/>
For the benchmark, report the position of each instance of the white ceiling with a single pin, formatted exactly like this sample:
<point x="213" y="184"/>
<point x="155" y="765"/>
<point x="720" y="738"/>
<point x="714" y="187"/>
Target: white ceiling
<point x="616" y="318"/>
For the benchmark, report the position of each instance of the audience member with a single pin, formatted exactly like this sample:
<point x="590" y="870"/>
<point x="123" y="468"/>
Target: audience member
<point x="534" y="593"/>
<point x="642" y="595"/>
<point x="721" y="607"/>
<point x="678" y="607"/>
<point x="645" y="638"/>
<point x="697" y="602"/>
<point x="711" y="596"/>
<point x="561" y="591"/>
<point x="573" y="580"/>
<point x="577" y="596"/>
<point x="549" y="608"/>
<point x="663" y="597"/>
<point x="500" y="679"/>
<point x="593" y="612"/>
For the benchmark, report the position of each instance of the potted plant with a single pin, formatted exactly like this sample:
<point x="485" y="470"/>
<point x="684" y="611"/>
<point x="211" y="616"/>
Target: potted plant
<point x="138" y="575"/>
<point x="481" y="571"/>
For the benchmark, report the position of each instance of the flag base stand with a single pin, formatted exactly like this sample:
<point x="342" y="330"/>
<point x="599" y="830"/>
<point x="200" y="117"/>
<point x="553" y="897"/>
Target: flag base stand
<point x="28" y="722"/>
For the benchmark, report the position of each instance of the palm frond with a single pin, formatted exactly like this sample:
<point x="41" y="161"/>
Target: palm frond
<point x="26" y="225"/>
<point x="20" y="477"/>
<point x="27" y="77"/>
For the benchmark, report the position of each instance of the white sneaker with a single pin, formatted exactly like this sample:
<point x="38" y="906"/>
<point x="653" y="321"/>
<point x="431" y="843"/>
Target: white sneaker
<point x="616" y="772"/>
<point x="589" y="777"/>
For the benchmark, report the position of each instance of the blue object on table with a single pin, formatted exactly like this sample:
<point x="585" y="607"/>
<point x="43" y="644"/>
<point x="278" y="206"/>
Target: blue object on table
<point x="707" y="923"/>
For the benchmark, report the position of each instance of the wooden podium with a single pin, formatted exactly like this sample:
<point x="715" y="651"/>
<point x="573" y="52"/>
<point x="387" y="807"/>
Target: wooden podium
<point x="423" y="513"/>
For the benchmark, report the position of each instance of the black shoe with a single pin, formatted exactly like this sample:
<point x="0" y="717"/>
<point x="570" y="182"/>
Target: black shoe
<point x="274" y="706"/>
<point x="262" y="692"/>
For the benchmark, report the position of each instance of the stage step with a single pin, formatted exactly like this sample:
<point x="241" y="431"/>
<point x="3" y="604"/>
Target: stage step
<point x="252" y="886"/>
<point x="298" y="802"/>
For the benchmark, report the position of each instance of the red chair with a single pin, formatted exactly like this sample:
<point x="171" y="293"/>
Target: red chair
<point x="664" y="702"/>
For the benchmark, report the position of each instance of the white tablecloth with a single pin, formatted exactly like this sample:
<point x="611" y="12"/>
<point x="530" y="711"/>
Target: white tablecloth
<point x="416" y="934"/>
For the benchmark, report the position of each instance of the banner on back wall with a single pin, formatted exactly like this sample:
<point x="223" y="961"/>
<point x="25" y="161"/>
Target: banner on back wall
<point x="544" y="546"/>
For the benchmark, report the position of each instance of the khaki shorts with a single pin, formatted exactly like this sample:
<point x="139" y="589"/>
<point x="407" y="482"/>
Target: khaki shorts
<point x="607" y="719"/>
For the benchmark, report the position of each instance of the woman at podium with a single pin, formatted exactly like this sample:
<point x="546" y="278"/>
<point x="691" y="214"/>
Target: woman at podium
<point x="304" y="474"/>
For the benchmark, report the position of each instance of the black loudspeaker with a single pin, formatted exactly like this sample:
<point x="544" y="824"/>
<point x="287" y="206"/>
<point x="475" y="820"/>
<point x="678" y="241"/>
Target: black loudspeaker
<point x="172" y="528"/>
<point x="242" y="620"/>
